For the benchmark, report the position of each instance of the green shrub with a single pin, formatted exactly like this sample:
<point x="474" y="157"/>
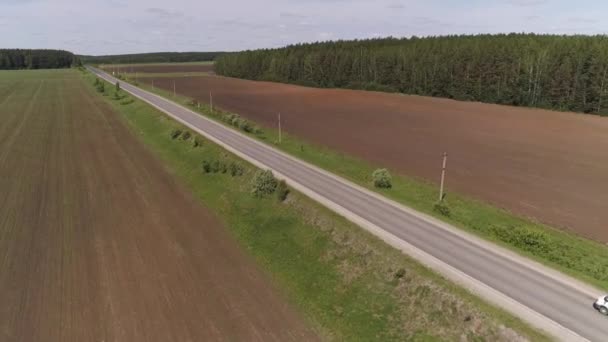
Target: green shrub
<point x="442" y="208"/>
<point x="400" y="273"/>
<point x="247" y="127"/>
<point x="223" y="167"/>
<point x="176" y="133"/>
<point x="215" y="166"/>
<point x="263" y="183"/>
<point x="236" y="169"/>
<point x="117" y="85"/>
<point x="526" y="239"/>
<point x="282" y="191"/>
<point x="127" y="101"/>
<point x="382" y="179"/>
<point x="235" y="120"/>
<point x="196" y="142"/>
<point x="186" y="135"/>
<point x="206" y="166"/>
<point x="101" y="87"/>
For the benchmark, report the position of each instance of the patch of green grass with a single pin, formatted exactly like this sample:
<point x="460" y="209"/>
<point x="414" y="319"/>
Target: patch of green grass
<point x="350" y="285"/>
<point x="581" y="258"/>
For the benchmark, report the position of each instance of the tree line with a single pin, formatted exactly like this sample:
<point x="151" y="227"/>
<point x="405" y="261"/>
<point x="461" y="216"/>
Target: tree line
<point x="548" y="71"/>
<point x="36" y="59"/>
<point x="154" y="57"/>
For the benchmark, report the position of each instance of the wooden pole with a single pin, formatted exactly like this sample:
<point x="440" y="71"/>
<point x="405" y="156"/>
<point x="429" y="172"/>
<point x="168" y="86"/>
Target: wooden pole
<point x="279" y="128"/>
<point x="173" y="88"/>
<point x="445" y="158"/>
<point x="211" y="101"/>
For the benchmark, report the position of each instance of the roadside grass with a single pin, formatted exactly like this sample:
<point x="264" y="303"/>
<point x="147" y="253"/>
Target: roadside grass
<point x="578" y="257"/>
<point x="349" y="284"/>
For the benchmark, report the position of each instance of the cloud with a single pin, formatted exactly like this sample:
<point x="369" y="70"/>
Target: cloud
<point x="395" y="5"/>
<point x="527" y="3"/>
<point x="291" y="15"/>
<point x="163" y="13"/>
<point x="582" y="20"/>
<point x="182" y="25"/>
<point x="17" y="2"/>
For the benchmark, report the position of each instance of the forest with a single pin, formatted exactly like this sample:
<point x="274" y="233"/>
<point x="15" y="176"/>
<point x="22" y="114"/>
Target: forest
<point x="36" y="59"/>
<point x="154" y="57"/>
<point x="567" y="73"/>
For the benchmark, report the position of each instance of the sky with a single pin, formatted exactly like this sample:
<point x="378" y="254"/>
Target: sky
<point x="134" y="26"/>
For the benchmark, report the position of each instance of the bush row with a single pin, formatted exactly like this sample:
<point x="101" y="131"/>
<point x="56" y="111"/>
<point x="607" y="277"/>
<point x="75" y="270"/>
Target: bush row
<point x="117" y="95"/>
<point x="185" y="136"/>
<point x="232" y="119"/>
<point x="99" y="85"/>
<point x="236" y="121"/>
<point x="235" y="169"/>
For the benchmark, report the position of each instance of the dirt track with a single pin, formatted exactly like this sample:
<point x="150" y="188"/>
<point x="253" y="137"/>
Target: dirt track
<point x="546" y="165"/>
<point x="98" y="242"/>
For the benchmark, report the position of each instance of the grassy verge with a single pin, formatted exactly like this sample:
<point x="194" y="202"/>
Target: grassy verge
<point x="581" y="258"/>
<point x="349" y="284"/>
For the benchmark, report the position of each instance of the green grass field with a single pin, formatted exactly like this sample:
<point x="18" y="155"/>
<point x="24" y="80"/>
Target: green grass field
<point x="350" y="285"/>
<point x="581" y="258"/>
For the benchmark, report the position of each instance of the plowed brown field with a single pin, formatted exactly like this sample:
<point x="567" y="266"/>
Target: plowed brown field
<point x="99" y="243"/>
<point x="547" y="165"/>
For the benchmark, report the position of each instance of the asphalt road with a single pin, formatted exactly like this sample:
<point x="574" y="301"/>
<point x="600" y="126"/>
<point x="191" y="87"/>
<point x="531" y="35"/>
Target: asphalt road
<point x="545" y="298"/>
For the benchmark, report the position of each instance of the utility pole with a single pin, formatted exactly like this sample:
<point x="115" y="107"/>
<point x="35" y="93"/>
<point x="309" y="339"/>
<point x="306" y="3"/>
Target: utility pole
<point x="279" y="128"/>
<point x="173" y="88"/>
<point x="211" y="101"/>
<point x="152" y="83"/>
<point x="445" y="158"/>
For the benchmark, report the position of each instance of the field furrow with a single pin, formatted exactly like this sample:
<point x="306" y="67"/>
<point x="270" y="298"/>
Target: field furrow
<point x="99" y="243"/>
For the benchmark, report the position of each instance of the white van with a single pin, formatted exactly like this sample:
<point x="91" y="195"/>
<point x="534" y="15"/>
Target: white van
<point x="601" y="304"/>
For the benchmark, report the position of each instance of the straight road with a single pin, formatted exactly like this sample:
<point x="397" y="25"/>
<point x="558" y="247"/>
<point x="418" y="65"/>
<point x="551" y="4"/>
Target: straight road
<point x="543" y="297"/>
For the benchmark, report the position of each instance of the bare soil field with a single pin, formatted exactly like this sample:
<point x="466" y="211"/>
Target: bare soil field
<point x="165" y="68"/>
<point x="549" y="166"/>
<point x="99" y="243"/>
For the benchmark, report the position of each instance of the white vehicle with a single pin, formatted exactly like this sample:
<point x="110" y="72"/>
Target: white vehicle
<point x="601" y="304"/>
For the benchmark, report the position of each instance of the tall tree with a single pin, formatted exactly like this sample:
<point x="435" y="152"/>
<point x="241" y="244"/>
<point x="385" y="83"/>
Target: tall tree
<point x="550" y="71"/>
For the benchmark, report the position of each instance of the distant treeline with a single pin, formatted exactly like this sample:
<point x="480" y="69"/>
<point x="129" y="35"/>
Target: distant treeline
<point x="36" y="59"/>
<point x="154" y="57"/>
<point x="549" y="71"/>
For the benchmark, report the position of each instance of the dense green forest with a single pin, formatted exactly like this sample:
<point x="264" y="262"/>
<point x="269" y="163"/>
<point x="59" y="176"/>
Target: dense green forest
<point x="36" y="59"/>
<point x="154" y="57"/>
<point x="549" y="71"/>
